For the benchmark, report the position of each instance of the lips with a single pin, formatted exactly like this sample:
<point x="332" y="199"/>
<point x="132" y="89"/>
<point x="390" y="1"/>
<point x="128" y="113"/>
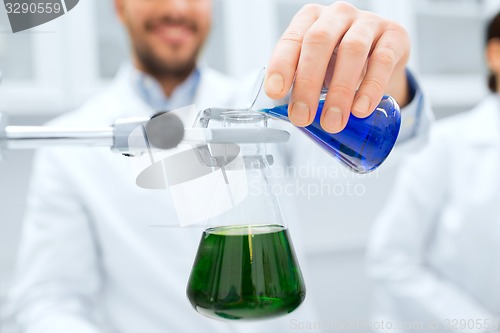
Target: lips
<point x="173" y="33"/>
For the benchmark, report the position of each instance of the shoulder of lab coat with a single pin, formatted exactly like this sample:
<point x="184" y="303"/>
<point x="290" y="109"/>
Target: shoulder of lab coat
<point x="479" y="126"/>
<point x="407" y="289"/>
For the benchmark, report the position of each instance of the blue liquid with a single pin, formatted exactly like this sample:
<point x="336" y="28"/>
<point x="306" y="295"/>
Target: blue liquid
<point x="364" y="143"/>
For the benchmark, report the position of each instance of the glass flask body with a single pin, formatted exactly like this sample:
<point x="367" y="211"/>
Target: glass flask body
<point x="246" y="267"/>
<point x="364" y="143"/>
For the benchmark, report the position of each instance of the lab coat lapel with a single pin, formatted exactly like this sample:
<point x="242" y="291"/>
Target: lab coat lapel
<point x="212" y="90"/>
<point x="131" y="104"/>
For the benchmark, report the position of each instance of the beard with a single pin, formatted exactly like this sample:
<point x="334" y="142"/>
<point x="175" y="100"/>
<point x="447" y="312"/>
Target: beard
<point x="159" y="67"/>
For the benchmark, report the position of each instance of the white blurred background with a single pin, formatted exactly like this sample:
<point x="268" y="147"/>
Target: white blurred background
<point x="54" y="68"/>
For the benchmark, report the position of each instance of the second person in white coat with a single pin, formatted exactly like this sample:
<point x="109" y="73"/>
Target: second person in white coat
<point x="435" y="249"/>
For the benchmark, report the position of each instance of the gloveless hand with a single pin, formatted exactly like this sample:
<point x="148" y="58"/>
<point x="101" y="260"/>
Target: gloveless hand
<point x="358" y="55"/>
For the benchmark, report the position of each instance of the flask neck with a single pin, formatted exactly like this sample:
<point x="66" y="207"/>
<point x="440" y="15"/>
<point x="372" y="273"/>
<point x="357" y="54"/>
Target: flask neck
<point x="264" y="102"/>
<point x="279" y="108"/>
<point x="246" y="119"/>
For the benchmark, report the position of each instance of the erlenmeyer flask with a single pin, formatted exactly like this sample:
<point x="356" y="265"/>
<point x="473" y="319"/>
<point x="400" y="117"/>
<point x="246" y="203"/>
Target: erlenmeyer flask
<point x="245" y="267"/>
<point x="362" y="145"/>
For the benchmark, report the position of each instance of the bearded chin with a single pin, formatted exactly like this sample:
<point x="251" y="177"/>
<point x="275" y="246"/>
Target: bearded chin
<point x="159" y="67"/>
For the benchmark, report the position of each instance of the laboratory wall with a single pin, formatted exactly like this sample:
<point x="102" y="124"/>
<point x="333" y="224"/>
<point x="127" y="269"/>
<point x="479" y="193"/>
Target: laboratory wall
<point x="56" y="67"/>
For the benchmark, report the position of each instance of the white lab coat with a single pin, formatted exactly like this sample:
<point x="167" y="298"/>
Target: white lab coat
<point x="435" y="249"/>
<point x="91" y="258"/>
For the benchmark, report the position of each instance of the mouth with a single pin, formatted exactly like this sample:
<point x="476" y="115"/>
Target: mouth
<point x="175" y="33"/>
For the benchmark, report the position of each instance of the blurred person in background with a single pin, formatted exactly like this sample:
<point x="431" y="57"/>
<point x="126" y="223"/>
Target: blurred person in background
<point x="88" y="262"/>
<point x="435" y="248"/>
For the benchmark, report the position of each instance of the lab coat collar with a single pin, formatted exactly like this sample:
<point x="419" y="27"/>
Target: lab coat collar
<point x="150" y="90"/>
<point x="483" y="127"/>
<point x="212" y="90"/>
<point x="131" y="105"/>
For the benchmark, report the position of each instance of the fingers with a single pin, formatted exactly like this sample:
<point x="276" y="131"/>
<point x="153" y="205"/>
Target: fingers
<point x="282" y="66"/>
<point x="317" y="49"/>
<point x="386" y="55"/>
<point x="336" y="45"/>
<point x="371" y="44"/>
<point x="350" y="62"/>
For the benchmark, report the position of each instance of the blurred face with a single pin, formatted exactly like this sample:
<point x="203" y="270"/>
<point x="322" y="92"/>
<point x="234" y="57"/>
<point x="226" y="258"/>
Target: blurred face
<point x="166" y="35"/>
<point x="493" y="59"/>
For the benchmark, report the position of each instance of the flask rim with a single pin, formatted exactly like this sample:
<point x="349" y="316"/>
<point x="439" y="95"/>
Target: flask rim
<point x="244" y="116"/>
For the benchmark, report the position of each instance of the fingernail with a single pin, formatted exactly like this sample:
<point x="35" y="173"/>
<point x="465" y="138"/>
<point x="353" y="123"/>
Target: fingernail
<point x="275" y="84"/>
<point x="300" y="113"/>
<point x="333" y="119"/>
<point x="361" y="105"/>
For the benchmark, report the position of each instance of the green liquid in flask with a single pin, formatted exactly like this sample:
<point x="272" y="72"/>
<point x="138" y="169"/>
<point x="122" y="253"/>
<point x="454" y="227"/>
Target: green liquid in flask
<point x="245" y="272"/>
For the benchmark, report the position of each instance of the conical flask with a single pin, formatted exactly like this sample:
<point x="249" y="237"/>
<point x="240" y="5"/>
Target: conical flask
<point x="245" y="267"/>
<point x="362" y="145"/>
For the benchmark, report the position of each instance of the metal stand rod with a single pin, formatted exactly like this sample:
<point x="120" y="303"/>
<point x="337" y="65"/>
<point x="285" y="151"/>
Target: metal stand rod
<point x="131" y="136"/>
<point x="32" y="137"/>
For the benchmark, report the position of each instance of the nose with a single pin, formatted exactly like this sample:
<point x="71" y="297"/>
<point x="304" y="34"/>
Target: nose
<point x="173" y="7"/>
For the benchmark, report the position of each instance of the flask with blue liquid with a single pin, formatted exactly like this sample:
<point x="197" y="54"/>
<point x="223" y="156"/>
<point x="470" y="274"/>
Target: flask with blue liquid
<point x="362" y="145"/>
